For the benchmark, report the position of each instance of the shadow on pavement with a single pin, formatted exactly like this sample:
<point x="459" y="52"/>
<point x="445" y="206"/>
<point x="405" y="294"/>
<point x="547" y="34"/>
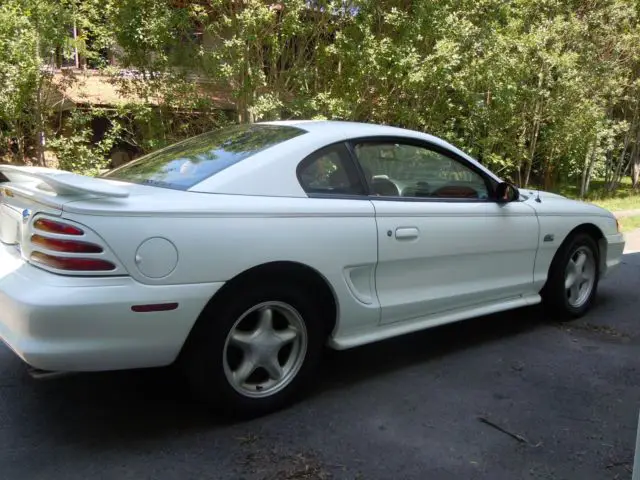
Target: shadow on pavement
<point x="130" y="406"/>
<point x="358" y="364"/>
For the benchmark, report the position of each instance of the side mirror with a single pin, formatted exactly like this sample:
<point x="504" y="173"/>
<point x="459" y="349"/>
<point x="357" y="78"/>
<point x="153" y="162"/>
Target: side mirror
<point x="506" y="192"/>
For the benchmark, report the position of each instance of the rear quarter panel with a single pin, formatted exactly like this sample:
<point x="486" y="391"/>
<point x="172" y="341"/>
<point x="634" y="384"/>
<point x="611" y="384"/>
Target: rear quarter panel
<point x="217" y="237"/>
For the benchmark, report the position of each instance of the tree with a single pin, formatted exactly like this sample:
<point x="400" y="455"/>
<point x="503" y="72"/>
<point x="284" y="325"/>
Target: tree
<point x="32" y="34"/>
<point x="542" y="91"/>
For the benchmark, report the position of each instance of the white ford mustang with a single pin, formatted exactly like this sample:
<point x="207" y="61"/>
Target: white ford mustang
<point x="241" y="253"/>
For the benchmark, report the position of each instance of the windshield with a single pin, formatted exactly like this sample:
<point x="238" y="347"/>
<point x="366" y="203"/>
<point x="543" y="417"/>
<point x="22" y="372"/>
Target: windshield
<point x="183" y="165"/>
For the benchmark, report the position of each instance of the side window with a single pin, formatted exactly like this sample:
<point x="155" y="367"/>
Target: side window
<point x="330" y="171"/>
<point x="396" y="169"/>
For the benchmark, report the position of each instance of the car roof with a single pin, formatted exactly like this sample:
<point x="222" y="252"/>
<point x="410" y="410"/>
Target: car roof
<point x="346" y="128"/>
<point x="340" y="130"/>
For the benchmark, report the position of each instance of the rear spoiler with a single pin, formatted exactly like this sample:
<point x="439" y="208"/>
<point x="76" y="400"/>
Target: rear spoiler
<point x="62" y="182"/>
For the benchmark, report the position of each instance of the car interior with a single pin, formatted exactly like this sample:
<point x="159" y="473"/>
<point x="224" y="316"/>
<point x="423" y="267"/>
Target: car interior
<point x="408" y="171"/>
<point x="393" y="171"/>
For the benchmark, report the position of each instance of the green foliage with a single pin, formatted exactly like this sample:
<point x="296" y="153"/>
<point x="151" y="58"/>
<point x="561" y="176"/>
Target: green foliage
<point x="628" y="224"/>
<point x="75" y="152"/>
<point x="32" y="33"/>
<point x="19" y="73"/>
<point x="546" y="92"/>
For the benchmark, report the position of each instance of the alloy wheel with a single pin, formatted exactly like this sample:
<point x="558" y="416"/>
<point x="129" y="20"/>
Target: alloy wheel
<point x="265" y="349"/>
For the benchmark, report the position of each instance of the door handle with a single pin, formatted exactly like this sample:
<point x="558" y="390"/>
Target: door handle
<point x="407" y="233"/>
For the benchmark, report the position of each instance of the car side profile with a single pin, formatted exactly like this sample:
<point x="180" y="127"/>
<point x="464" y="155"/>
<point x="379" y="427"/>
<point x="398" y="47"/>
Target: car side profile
<point x="240" y="254"/>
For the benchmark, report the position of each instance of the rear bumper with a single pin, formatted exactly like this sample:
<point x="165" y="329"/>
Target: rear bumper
<point x="86" y="324"/>
<point x="614" y="248"/>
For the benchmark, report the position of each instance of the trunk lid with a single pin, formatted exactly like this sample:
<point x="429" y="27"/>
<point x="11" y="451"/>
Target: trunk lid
<point x="33" y="190"/>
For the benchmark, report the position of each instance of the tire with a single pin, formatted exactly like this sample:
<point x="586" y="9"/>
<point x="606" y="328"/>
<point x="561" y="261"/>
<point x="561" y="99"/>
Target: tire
<point x="234" y="334"/>
<point x="562" y="302"/>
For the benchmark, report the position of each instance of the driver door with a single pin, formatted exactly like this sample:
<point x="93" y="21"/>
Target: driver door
<point x="444" y="243"/>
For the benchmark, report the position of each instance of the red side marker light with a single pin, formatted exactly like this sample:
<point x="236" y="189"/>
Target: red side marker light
<point x="154" y="307"/>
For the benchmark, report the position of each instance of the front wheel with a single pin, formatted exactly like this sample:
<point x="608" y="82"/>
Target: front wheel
<point x="573" y="278"/>
<point x="256" y="352"/>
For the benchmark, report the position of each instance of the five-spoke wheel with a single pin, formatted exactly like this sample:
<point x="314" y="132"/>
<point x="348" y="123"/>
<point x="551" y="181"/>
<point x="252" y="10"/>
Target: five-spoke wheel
<point x="257" y="347"/>
<point x="265" y="349"/>
<point x="573" y="277"/>
<point x="580" y="276"/>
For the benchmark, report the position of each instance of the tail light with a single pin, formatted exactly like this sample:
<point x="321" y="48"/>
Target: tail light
<point x="51" y="226"/>
<point x="61" y="246"/>
<point x="72" y="263"/>
<point x="68" y="246"/>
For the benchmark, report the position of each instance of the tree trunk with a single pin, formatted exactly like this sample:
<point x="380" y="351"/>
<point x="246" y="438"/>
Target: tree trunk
<point x="532" y="152"/>
<point x="589" y="163"/>
<point x="635" y="161"/>
<point x="621" y="166"/>
<point x="75" y="44"/>
<point x="548" y="179"/>
<point x="619" y="171"/>
<point x="537" y="112"/>
<point x="548" y="173"/>
<point x="38" y="115"/>
<point x="607" y="168"/>
<point x="21" y="149"/>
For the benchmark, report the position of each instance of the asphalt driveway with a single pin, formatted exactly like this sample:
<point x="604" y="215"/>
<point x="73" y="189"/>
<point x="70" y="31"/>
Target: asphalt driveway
<point x="510" y="396"/>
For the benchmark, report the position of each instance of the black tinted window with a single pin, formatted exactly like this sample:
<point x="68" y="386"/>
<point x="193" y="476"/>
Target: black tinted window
<point x="330" y="171"/>
<point x="191" y="161"/>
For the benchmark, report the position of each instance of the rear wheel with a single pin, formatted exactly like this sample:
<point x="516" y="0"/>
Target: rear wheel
<point x="256" y="352"/>
<point x="573" y="278"/>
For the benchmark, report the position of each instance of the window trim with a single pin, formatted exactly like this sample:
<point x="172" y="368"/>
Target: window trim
<point x="349" y="162"/>
<point x="489" y="182"/>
